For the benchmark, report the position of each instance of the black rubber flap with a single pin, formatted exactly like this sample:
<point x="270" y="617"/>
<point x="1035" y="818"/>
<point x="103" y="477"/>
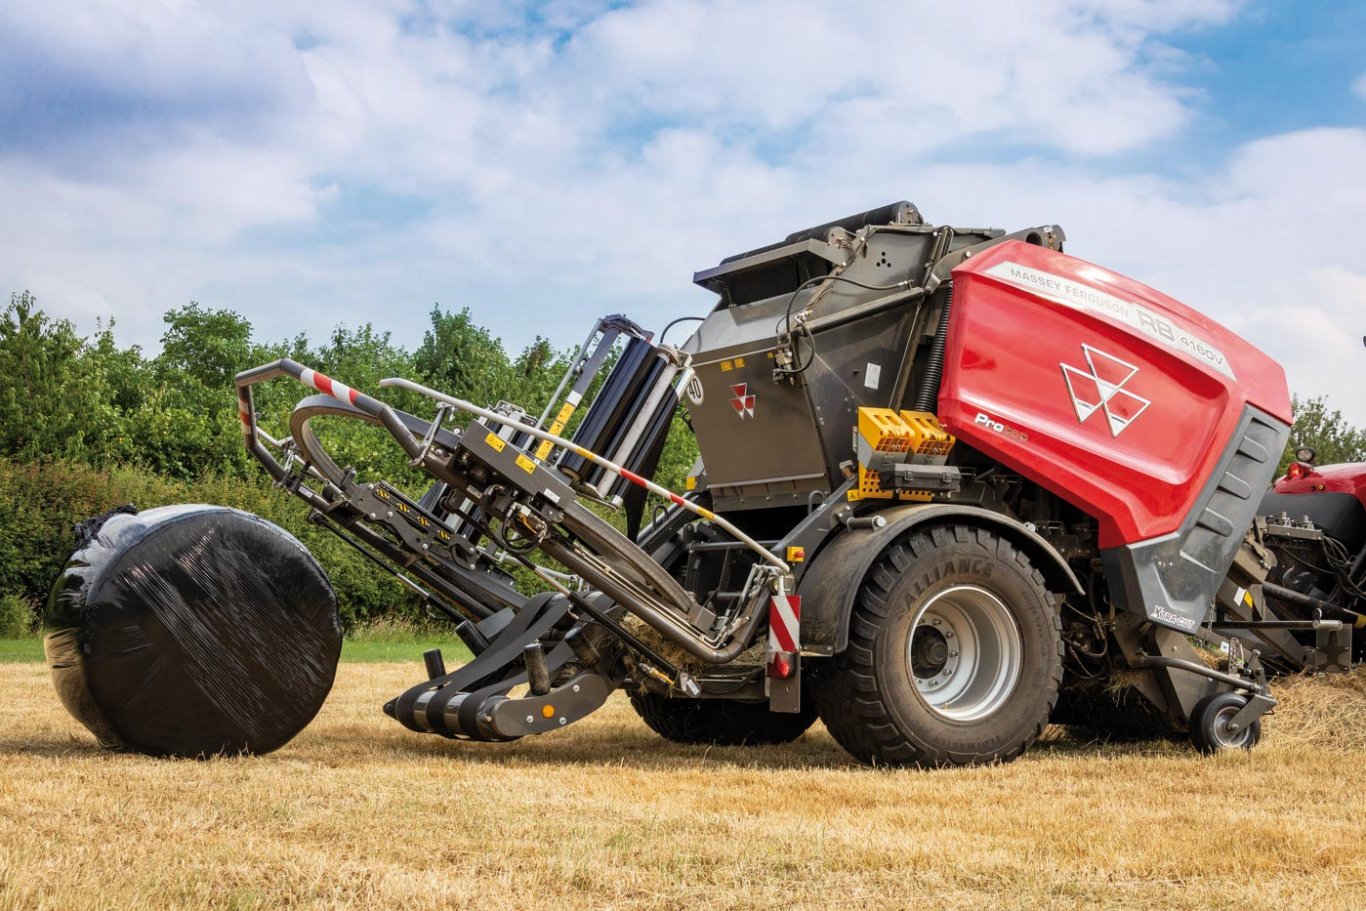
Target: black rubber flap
<point x="192" y="631"/>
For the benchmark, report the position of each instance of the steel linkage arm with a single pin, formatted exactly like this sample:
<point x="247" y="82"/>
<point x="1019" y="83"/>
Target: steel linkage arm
<point x="771" y="574"/>
<point x="701" y="512"/>
<point x="386" y="416"/>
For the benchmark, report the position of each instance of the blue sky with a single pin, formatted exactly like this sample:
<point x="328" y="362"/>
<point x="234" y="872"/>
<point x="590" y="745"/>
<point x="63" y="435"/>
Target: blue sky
<point x="308" y="164"/>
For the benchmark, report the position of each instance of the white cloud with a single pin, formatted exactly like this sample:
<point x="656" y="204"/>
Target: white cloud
<point x="1317" y="334"/>
<point x="919" y="75"/>
<point x="1360" y="86"/>
<point x="556" y="161"/>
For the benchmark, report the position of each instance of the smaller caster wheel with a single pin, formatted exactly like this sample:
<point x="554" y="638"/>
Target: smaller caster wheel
<point x="1211" y="725"/>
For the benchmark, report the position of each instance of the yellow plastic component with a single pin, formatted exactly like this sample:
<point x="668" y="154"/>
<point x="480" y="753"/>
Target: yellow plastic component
<point x="886" y="438"/>
<point x="690" y="483"/>
<point x="884" y="430"/>
<point x="547" y="711"/>
<point x="796" y="555"/>
<point x="931" y="442"/>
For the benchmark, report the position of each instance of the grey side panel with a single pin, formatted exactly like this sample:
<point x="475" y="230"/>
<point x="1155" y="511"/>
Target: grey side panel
<point x="832" y="581"/>
<point x="773" y="440"/>
<point x="1173" y="579"/>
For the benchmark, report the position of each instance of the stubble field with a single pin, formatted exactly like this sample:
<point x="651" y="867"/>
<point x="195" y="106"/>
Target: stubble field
<point x="360" y="813"/>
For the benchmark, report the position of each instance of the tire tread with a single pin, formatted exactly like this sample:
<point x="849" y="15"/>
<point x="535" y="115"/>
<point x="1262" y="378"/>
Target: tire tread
<point x="847" y="694"/>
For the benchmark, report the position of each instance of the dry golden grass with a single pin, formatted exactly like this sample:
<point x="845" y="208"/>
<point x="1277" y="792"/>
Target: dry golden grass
<point x="1321" y="713"/>
<point x="359" y="813"/>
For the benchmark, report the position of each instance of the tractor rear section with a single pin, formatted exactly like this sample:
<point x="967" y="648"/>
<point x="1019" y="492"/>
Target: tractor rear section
<point x="954" y="484"/>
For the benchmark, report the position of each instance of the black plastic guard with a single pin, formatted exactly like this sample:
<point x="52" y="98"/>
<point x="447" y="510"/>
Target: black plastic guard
<point x="1173" y="579"/>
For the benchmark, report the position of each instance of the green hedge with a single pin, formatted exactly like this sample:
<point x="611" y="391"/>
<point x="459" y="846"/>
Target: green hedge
<point x="45" y="500"/>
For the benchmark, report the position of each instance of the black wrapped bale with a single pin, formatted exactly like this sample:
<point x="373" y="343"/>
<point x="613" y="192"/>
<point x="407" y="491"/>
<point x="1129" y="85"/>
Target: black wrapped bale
<point x="192" y="631"/>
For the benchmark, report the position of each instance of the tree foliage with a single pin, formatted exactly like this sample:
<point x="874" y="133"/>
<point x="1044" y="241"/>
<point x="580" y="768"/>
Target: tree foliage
<point x="1326" y="431"/>
<point x="86" y="425"/>
<point x="102" y="422"/>
<point x="55" y="397"/>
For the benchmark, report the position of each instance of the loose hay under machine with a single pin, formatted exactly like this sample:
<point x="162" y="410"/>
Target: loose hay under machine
<point x="953" y="484"/>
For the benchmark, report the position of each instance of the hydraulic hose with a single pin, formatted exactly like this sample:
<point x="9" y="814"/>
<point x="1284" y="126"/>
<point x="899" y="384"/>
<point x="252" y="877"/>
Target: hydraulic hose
<point x="927" y="398"/>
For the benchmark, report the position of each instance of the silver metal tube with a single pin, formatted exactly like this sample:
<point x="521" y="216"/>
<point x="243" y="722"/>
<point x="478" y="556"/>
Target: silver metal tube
<point x="577" y="364"/>
<point x="701" y="512"/>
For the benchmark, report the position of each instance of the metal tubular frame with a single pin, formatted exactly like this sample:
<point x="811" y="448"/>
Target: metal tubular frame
<point x="770" y="574"/>
<point x="610" y="466"/>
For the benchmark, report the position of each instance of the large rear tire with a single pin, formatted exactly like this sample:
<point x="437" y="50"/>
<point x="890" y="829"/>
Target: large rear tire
<point x="724" y="722"/>
<point x="954" y="655"/>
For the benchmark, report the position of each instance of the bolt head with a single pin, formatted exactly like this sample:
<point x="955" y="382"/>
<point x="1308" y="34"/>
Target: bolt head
<point x="530" y="719"/>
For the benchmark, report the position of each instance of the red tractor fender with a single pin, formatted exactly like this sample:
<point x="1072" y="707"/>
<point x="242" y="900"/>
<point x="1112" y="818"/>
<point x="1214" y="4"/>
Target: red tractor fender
<point x="1348" y="477"/>
<point x="835" y="575"/>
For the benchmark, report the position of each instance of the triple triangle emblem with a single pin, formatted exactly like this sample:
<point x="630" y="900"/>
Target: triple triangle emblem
<point x="1100" y="387"/>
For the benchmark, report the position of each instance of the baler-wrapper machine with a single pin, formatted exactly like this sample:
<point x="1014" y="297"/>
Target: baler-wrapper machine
<point x="954" y="484"/>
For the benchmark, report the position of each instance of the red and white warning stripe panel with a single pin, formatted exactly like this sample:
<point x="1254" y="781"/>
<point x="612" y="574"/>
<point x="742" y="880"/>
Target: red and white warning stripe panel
<point x="325" y="384"/>
<point x="244" y="413"/>
<point x="784" y="623"/>
<point x="784" y="634"/>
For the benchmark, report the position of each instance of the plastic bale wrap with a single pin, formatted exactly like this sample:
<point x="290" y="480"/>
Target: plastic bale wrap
<point x="192" y="631"/>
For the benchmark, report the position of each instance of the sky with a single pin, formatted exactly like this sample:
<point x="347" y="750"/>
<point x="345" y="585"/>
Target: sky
<point x="308" y="164"/>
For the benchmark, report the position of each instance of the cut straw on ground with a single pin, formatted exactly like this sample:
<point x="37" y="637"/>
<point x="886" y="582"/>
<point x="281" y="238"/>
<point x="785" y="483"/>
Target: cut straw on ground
<point x="360" y="813"/>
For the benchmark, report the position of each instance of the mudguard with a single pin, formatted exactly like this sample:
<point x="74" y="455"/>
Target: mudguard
<point x="1349" y="478"/>
<point x="832" y="581"/>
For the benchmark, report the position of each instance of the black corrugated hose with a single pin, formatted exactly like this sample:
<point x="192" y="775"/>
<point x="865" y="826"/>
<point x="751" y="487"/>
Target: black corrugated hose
<point x="927" y="398"/>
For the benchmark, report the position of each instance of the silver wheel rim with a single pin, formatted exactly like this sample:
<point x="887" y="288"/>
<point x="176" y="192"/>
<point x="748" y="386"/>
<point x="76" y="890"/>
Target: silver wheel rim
<point x="964" y="653"/>
<point x="1223" y="737"/>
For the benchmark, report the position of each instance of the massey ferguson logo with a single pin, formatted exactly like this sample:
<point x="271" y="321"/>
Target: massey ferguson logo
<point x="1100" y="387"/>
<point x="742" y="400"/>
